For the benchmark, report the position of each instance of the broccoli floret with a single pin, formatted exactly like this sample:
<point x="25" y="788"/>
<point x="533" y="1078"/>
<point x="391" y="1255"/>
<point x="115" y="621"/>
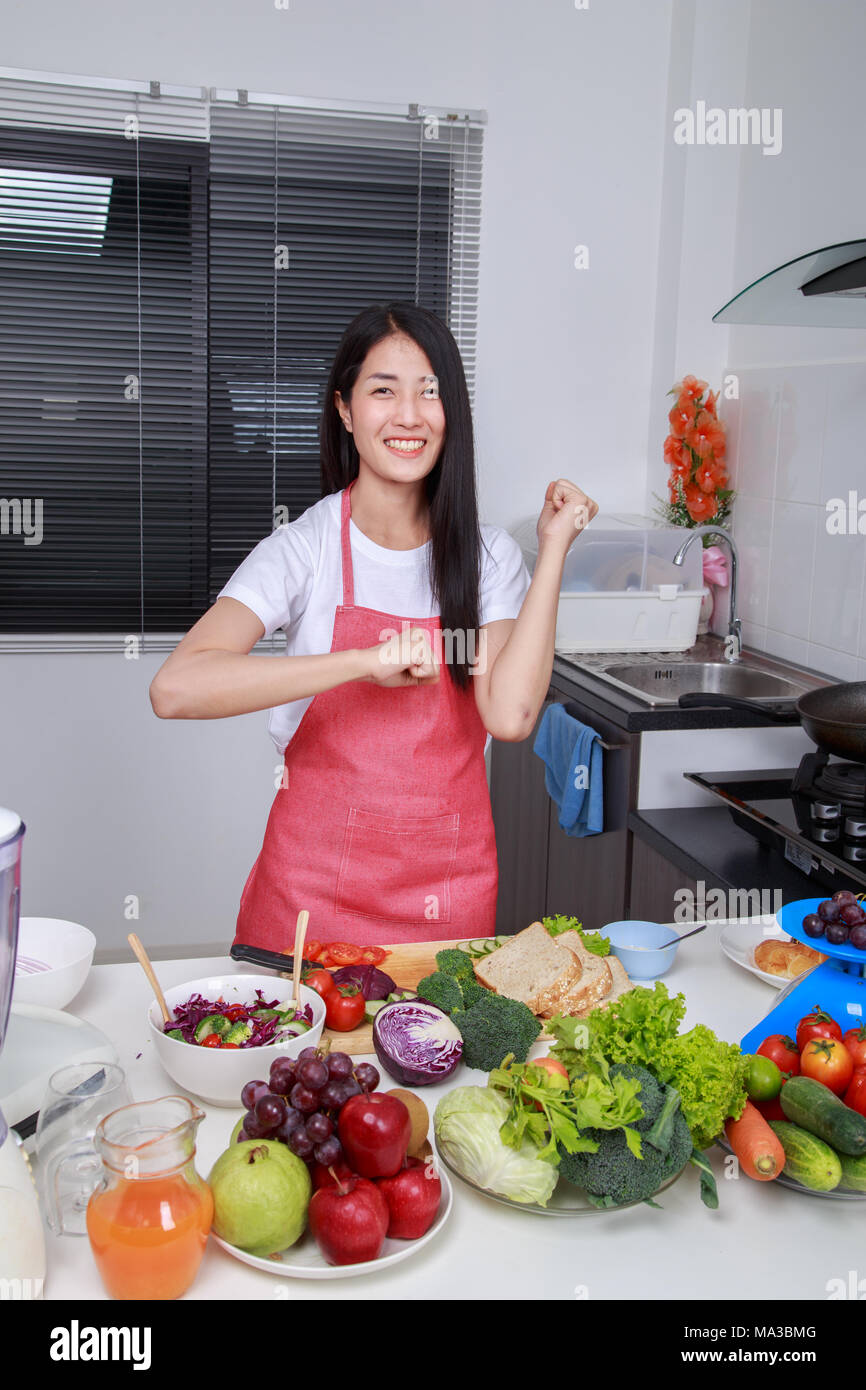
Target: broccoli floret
<point x="614" y="1173"/>
<point x="495" y="1026"/>
<point x="455" y="963"/>
<point x="442" y="991"/>
<point x="472" y="991"/>
<point x="651" y="1094"/>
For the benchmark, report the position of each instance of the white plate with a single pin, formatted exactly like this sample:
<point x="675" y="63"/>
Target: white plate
<point x="739" y="939"/>
<point x="306" y="1261"/>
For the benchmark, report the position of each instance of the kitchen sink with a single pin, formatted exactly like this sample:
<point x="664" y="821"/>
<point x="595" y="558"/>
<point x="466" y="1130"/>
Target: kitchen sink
<point x="662" y="683"/>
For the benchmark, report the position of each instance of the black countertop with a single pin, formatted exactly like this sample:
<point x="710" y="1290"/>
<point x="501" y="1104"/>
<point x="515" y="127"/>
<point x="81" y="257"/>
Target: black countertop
<point x="572" y="674"/>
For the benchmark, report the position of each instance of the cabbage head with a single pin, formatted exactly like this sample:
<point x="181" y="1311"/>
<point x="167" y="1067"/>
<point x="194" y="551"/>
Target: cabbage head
<point x="466" y="1124"/>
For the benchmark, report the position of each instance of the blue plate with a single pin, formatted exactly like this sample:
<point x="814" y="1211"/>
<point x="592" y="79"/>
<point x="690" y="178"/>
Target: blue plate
<point x="829" y="985"/>
<point x="790" y="919"/>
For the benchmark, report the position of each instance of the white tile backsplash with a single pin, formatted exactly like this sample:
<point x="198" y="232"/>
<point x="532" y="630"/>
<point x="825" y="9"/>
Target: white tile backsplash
<point x="796" y="439"/>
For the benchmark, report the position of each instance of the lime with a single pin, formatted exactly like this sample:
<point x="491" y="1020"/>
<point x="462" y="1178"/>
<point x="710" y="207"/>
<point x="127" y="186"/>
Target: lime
<point x="763" y="1078"/>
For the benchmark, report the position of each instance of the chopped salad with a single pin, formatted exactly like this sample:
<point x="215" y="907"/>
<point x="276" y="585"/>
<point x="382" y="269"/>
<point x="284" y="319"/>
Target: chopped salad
<point x="214" y="1023"/>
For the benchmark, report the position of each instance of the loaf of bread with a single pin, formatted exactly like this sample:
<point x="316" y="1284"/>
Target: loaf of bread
<point x="786" y="958"/>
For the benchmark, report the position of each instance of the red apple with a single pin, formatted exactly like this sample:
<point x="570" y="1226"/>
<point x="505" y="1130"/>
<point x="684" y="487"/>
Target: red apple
<point x="374" y="1131"/>
<point x="321" y="1175"/>
<point x="413" y="1197"/>
<point x="349" y="1221"/>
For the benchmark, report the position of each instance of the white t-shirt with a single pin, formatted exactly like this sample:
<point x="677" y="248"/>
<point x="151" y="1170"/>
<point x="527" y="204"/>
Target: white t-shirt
<point x="293" y="580"/>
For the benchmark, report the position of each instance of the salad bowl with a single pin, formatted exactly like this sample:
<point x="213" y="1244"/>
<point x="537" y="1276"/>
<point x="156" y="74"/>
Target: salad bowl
<point x="217" y="1075"/>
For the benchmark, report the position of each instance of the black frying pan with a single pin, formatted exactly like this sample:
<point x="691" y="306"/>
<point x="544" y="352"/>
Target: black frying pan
<point x="834" y="717"/>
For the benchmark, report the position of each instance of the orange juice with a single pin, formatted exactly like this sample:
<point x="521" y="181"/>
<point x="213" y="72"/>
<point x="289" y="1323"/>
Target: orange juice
<point x="148" y="1235"/>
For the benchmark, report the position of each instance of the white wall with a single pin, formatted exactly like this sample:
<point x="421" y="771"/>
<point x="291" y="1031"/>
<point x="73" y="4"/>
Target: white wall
<point x="119" y="803"/>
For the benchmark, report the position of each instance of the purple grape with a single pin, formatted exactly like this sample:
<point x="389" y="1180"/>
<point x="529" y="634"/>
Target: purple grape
<point x="857" y="937"/>
<point x="837" y="933"/>
<point x="292" y="1121"/>
<point x="339" y="1065"/>
<point x="331" y="1096"/>
<point x="242" y="1136"/>
<point x="312" y="1073"/>
<point x="254" y="1127"/>
<point x="319" y="1127"/>
<point x="251" y="1093"/>
<point x="329" y="1151"/>
<point x="307" y="1052"/>
<point x="350" y="1088"/>
<point x="843" y="896"/>
<point x="850" y="914"/>
<point x="282" y="1075"/>
<point x="812" y="925"/>
<point x="828" y="911"/>
<point x="300" y="1143"/>
<point x="271" y="1110"/>
<point x="303" y="1099"/>
<point x="367" y="1076"/>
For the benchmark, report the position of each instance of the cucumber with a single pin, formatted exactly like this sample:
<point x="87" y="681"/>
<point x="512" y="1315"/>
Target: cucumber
<point x="807" y="1158"/>
<point x="853" y="1172"/>
<point x="814" y="1107"/>
<point x="214" y="1023"/>
<point x="372" y="1007"/>
<point x="265" y="1014"/>
<point x="293" y="1029"/>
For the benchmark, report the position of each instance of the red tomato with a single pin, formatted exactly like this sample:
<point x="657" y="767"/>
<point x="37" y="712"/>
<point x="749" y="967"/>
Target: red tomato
<point x="855" y="1096"/>
<point x="344" y="1008"/>
<point x="312" y="950"/>
<point x="855" y="1041"/>
<point x="226" y="1046"/>
<point x="783" y="1051"/>
<point x="234" y="1012"/>
<point x="343" y="953"/>
<point x="212" y="1040"/>
<point x="827" y="1060"/>
<point x="817" y="1024"/>
<point x="320" y="981"/>
<point x="770" y="1109"/>
<point x="548" y="1064"/>
<point x="373" y="955"/>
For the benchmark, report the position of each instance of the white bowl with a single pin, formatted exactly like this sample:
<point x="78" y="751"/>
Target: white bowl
<point x="215" y="1075"/>
<point x="65" y="948"/>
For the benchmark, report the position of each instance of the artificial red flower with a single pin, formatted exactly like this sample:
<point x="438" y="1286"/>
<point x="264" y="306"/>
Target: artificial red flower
<point x="710" y="475"/>
<point x="710" y="405"/>
<point x="690" y="389"/>
<point x="680" y="417"/>
<point x="700" y="506"/>
<point x="678" y="457"/>
<point x="704" y="434"/>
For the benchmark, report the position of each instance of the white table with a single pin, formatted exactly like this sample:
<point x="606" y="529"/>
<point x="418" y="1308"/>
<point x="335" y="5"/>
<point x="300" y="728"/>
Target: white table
<point x="763" y="1242"/>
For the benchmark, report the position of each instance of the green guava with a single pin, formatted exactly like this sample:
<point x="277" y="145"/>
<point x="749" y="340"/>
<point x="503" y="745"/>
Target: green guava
<point x="261" y="1192"/>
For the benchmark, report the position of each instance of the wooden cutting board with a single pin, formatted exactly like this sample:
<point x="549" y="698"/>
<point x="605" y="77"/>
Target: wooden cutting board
<point x="407" y="964"/>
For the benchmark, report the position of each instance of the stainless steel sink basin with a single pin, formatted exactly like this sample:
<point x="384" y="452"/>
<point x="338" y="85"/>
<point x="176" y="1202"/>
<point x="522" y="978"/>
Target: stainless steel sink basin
<point x="664" y="684"/>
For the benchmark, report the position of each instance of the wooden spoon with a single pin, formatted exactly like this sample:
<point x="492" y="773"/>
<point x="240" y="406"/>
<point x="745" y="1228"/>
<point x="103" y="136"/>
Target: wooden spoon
<point x="144" y="962"/>
<point x="298" y="953"/>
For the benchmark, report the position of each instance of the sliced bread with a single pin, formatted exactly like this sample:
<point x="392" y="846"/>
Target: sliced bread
<point x="529" y="967"/>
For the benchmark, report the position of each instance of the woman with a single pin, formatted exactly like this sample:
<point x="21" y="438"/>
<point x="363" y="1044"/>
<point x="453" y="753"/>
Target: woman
<point x="382" y="826"/>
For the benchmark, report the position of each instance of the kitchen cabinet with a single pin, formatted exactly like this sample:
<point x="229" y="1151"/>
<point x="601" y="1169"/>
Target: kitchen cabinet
<point x="655" y="882"/>
<point x="542" y="870"/>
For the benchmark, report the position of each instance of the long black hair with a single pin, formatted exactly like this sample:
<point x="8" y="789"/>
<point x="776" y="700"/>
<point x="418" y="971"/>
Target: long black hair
<point x="455" y="550"/>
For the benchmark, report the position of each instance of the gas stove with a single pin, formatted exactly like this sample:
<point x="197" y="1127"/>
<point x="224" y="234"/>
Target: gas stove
<point x="814" y="814"/>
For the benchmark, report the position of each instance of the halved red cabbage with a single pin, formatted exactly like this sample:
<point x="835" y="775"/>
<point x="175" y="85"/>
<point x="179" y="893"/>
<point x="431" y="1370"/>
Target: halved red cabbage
<point x="373" y="983"/>
<point x="416" y="1043"/>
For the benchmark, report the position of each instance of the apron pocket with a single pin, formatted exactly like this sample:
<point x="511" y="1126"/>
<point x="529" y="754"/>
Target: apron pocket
<point x="397" y="868"/>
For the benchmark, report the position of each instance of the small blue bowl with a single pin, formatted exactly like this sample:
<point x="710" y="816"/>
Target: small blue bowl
<point x="646" y="949"/>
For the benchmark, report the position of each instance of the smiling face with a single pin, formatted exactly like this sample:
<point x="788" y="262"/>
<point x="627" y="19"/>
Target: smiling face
<point x="395" y="414"/>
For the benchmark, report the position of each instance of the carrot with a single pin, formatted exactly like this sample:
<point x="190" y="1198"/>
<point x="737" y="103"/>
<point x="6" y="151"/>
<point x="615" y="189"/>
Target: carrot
<point x="759" y="1152"/>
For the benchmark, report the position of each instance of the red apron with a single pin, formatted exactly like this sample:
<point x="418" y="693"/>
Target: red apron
<point x="382" y="826"/>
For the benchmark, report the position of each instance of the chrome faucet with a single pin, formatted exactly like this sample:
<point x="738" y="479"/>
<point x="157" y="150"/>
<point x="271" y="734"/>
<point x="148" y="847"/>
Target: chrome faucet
<point x="732" y="649"/>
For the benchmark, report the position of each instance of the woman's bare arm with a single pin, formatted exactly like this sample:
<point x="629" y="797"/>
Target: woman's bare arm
<point x="211" y="672"/>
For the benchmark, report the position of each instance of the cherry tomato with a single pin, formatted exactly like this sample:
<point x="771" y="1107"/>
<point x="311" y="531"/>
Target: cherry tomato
<point x="212" y="1040"/>
<point x="817" y="1024"/>
<point x="770" y="1109"/>
<point x="226" y="1046"/>
<point x="312" y="949"/>
<point x="373" y="955"/>
<point x="763" y="1078"/>
<point x="321" y="981"/>
<point x="234" y="1012"/>
<point x="783" y="1051"/>
<point x="343" y="953"/>
<point x="855" y="1096"/>
<point x="855" y="1041"/>
<point x="344" y="1008"/>
<point x="827" y="1060"/>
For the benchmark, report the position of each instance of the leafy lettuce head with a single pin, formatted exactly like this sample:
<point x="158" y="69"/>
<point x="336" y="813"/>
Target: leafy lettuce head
<point x="466" y="1124"/>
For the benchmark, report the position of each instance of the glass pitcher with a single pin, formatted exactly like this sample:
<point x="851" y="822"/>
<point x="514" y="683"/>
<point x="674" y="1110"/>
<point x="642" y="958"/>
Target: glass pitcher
<point x="149" y="1219"/>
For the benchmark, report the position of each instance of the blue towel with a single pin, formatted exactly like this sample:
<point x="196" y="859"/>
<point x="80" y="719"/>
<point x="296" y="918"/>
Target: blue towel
<point x="572" y="755"/>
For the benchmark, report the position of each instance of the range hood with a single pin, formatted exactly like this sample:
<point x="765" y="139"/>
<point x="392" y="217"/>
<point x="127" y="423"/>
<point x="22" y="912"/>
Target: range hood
<point x="825" y="289"/>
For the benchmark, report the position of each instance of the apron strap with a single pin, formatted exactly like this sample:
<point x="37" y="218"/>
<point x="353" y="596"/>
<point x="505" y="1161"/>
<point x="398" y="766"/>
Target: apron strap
<point x="346" y="550"/>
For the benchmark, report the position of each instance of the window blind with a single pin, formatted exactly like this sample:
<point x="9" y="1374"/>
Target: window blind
<point x="177" y="268"/>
